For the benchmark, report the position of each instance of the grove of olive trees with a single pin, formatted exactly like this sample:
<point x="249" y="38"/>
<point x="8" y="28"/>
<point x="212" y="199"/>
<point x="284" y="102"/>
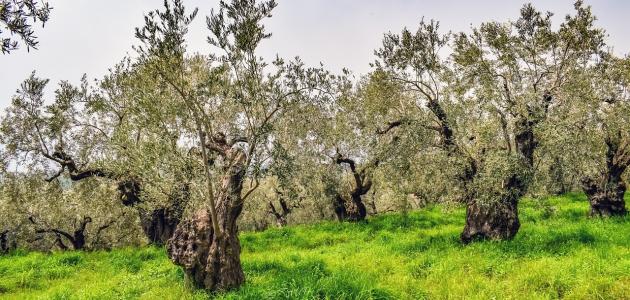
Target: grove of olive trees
<point x="186" y="150"/>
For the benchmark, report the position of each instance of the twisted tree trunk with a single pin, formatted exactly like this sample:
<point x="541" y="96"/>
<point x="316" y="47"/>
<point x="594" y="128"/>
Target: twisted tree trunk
<point x="282" y="213"/>
<point x="496" y="220"/>
<point x="212" y="261"/>
<point x="605" y="198"/>
<point x="76" y="237"/>
<point x="7" y="243"/>
<point x="499" y="220"/>
<point x="606" y="193"/>
<point x="160" y="224"/>
<point x="353" y="209"/>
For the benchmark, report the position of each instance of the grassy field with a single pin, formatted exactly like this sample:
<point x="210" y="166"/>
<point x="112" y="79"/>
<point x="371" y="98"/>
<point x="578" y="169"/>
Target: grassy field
<point x="558" y="253"/>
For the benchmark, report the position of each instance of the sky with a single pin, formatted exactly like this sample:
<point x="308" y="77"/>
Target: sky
<point x="88" y="37"/>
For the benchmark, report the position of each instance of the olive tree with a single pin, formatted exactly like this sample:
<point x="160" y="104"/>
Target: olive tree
<point x="489" y="99"/>
<point x="96" y="132"/>
<point x="601" y="114"/>
<point x="54" y="215"/>
<point x="233" y="102"/>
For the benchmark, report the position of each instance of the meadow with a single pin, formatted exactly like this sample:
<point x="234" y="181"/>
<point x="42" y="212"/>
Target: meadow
<point x="558" y="253"/>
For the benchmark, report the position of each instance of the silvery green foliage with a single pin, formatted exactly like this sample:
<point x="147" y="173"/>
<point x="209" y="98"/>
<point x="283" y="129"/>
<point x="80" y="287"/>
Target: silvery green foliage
<point x="436" y="107"/>
<point x="500" y="81"/>
<point x="599" y="111"/>
<point x="16" y="17"/>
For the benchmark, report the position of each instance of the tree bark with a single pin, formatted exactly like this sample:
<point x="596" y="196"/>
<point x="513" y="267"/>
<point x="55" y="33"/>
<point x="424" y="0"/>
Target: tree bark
<point x="499" y="220"/>
<point x="160" y="224"/>
<point x="605" y="199"/>
<point x="7" y="243"/>
<point x="496" y="221"/>
<point x="76" y="238"/>
<point x="212" y="261"/>
<point x="280" y="215"/>
<point x="606" y="193"/>
<point x="353" y="209"/>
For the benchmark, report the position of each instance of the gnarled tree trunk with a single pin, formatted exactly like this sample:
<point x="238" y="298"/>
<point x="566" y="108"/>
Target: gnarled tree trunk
<point x="605" y="194"/>
<point x="605" y="198"/>
<point x="160" y="224"/>
<point x="282" y="213"/>
<point x="76" y="238"/>
<point x="496" y="221"/>
<point x="7" y="243"/>
<point x="210" y="260"/>
<point x="353" y="209"/>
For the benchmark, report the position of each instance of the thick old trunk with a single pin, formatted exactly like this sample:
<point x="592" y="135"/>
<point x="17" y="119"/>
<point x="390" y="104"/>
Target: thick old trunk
<point x="212" y="261"/>
<point x="605" y="194"/>
<point x="606" y="199"/>
<point x="7" y="243"/>
<point x="497" y="221"/>
<point x="353" y="210"/>
<point x="159" y="225"/>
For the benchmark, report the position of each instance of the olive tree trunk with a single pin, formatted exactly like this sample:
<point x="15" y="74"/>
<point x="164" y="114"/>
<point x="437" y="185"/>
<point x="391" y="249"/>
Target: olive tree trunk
<point x="496" y="221"/>
<point x="605" y="199"/>
<point x="159" y="224"/>
<point x="605" y="194"/>
<point x="354" y="209"/>
<point x="212" y="261"/>
<point x="7" y="243"/>
<point x="282" y="213"/>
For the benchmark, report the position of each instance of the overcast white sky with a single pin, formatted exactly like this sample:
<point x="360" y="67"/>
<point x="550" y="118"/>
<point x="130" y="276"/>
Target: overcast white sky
<point x="91" y="36"/>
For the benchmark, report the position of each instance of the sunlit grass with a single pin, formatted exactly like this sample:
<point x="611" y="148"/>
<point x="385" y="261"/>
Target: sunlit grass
<point x="558" y="253"/>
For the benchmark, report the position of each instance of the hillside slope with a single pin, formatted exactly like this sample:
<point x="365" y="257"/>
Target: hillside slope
<point x="558" y="253"/>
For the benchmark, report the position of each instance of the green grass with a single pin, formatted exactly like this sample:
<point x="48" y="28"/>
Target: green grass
<point x="558" y="253"/>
